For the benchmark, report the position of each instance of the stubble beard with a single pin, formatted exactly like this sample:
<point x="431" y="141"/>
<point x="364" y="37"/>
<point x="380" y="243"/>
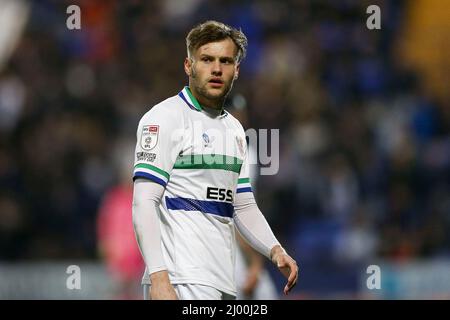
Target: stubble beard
<point x="201" y="89"/>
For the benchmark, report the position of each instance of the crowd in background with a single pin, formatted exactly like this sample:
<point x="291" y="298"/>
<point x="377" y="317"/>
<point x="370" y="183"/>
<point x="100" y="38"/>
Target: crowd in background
<point x="364" y="147"/>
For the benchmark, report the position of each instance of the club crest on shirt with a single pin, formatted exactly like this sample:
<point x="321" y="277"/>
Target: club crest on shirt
<point x="207" y="140"/>
<point x="149" y="137"/>
<point x="240" y="143"/>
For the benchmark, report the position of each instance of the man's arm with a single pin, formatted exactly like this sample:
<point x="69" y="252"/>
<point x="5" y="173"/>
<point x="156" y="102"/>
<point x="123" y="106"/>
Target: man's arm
<point x="146" y="198"/>
<point x="256" y="231"/>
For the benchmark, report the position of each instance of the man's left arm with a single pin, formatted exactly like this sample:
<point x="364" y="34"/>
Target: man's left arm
<point x="253" y="227"/>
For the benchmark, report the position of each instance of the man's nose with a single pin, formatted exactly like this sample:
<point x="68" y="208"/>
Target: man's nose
<point x="216" y="68"/>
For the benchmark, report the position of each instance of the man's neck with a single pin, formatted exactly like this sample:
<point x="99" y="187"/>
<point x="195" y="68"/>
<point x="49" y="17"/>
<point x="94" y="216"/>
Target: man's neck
<point x="212" y="107"/>
<point x="212" y="111"/>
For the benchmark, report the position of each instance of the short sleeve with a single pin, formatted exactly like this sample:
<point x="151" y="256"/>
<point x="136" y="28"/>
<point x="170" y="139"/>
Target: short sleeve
<point x="158" y="144"/>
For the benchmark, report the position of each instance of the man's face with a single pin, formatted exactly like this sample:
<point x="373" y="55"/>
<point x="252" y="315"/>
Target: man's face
<point x="212" y="69"/>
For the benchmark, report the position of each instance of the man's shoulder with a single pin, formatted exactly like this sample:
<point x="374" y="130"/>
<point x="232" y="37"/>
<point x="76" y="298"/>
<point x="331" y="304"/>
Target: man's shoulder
<point x="235" y="123"/>
<point x="170" y="108"/>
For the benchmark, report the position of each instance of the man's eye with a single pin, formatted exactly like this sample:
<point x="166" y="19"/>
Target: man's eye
<point x="206" y="59"/>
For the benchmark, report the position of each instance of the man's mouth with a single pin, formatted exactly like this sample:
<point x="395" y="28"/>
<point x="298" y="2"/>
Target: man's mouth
<point x="216" y="82"/>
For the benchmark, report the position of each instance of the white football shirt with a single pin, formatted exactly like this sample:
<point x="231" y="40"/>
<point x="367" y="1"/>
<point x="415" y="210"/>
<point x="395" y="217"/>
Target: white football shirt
<point x="201" y="160"/>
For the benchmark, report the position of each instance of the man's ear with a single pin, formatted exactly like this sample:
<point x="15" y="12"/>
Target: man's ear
<point x="187" y="66"/>
<point x="236" y="73"/>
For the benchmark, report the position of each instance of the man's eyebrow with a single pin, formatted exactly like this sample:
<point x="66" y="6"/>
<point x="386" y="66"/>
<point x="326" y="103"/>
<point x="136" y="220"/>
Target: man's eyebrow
<point x="204" y="55"/>
<point x="227" y="58"/>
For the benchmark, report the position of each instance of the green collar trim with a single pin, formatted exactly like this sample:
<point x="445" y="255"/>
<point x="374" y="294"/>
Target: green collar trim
<point x="194" y="101"/>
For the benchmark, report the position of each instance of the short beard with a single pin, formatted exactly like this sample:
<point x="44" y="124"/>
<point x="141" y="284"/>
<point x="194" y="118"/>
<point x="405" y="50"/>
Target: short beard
<point x="201" y="90"/>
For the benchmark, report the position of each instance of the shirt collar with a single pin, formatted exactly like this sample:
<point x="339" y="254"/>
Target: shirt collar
<point x="192" y="102"/>
<point x="189" y="98"/>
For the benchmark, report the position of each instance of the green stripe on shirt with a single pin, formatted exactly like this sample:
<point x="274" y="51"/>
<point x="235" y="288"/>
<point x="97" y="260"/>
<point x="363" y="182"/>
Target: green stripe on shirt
<point x="244" y="180"/>
<point x="220" y="162"/>
<point x="153" y="168"/>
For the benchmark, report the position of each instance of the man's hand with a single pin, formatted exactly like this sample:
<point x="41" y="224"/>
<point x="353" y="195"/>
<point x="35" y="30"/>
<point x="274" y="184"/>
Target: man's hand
<point x="161" y="288"/>
<point x="286" y="265"/>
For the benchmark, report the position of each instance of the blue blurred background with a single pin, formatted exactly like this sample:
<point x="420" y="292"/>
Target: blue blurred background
<point x="364" y="119"/>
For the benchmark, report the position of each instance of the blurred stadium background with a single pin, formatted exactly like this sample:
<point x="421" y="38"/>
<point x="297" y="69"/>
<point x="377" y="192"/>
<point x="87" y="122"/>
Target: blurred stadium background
<point x="364" y="119"/>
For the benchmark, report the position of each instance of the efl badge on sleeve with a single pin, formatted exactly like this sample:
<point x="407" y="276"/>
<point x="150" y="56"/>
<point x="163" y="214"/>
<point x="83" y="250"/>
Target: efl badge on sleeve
<point x="149" y="137"/>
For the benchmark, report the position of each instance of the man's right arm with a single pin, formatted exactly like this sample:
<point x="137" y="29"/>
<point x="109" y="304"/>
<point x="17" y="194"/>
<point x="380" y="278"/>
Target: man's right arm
<point x="146" y="198"/>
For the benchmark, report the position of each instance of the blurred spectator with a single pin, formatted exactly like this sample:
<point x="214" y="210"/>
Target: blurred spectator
<point x="115" y="233"/>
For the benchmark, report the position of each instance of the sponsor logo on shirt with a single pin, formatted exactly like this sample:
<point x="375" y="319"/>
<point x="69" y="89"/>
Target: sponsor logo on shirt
<point x="219" y="194"/>
<point x="146" y="156"/>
